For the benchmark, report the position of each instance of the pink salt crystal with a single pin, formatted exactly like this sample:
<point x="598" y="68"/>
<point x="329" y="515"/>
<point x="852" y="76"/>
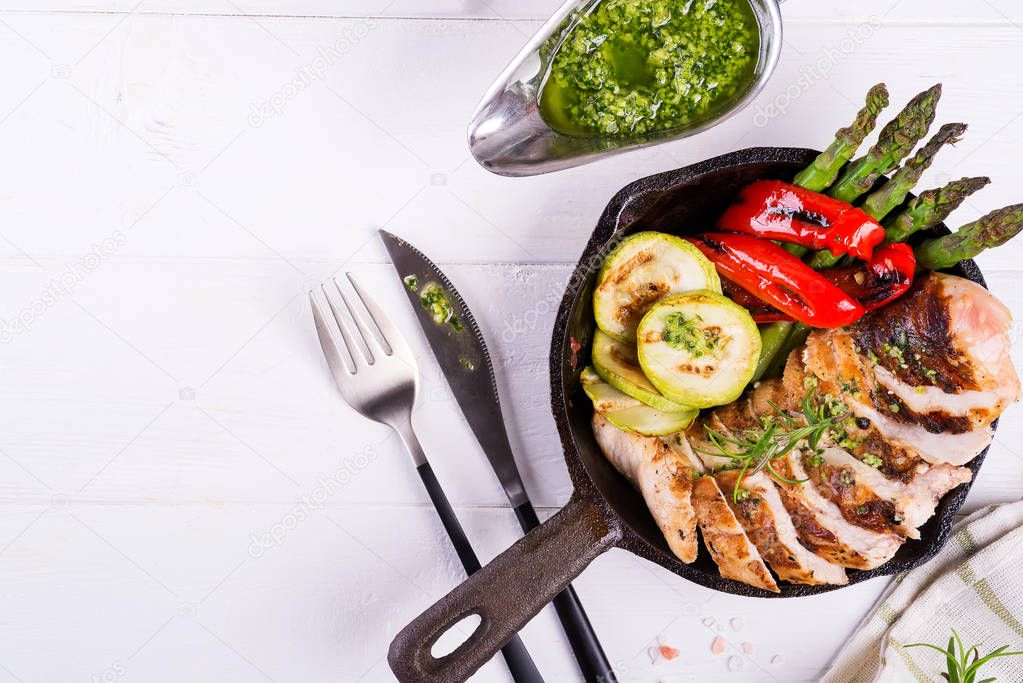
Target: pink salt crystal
<point x="708" y="622"/>
<point x="718" y="645"/>
<point x="668" y="652"/>
<point x="736" y="623"/>
<point x="747" y="649"/>
<point x="777" y="659"/>
<point x="735" y="663"/>
<point x="655" y="654"/>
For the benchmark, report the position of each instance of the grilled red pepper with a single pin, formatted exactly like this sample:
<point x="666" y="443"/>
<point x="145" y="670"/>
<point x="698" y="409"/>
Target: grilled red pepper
<point x="761" y="311"/>
<point x="775" y="276"/>
<point x="781" y="211"/>
<point x="885" y="278"/>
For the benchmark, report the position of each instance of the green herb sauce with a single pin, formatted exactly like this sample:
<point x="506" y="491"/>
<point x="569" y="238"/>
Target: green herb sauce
<point x="629" y="67"/>
<point x="686" y="333"/>
<point x="435" y="300"/>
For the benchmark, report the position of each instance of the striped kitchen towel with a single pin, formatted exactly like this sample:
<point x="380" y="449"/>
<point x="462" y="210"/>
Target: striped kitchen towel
<point x="974" y="585"/>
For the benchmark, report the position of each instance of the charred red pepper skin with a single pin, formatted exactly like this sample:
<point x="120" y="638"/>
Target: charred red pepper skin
<point x="761" y="311"/>
<point x="776" y="210"/>
<point x="780" y="279"/>
<point x="887" y="276"/>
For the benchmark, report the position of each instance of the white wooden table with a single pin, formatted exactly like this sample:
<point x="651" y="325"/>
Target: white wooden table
<point x="182" y="495"/>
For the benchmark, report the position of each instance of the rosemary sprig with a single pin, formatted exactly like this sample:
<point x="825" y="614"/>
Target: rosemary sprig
<point x="754" y="450"/>
<point x="959" y="668"/>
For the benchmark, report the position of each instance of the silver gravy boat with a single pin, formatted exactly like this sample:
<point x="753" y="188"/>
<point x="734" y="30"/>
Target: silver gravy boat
<point x="508" y="136"/>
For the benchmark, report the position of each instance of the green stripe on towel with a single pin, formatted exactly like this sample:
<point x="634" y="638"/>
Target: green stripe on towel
<point x="911" y="664"/>
<point x="988" y="597"/>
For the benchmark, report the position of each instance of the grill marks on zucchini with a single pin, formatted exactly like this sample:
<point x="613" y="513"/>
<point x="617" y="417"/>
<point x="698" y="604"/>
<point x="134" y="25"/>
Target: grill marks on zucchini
<point x="641" y="270"/>
<point x="698" y="348"/>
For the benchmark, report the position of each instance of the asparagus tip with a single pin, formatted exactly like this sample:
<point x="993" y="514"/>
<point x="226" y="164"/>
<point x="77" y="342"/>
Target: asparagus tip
<point x="971" y="185"/>
<point x="951" y="133"/>
<point x="1000" y="226"/>
<point x="878" y="96"/>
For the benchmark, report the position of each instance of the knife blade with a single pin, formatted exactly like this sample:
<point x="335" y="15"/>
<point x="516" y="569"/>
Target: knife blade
<point x="461" y="352"/>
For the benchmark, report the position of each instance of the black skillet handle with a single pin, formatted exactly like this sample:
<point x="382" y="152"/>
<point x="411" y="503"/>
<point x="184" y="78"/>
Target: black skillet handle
<point x="505" y="594"/>
<point x="588" y="653"/>
<point x="520" y="664"/>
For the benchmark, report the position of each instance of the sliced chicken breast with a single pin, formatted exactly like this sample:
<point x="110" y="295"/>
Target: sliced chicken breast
<point x="880" y="469"/>
<point x="820" y="526"/>
<point x="819" y="523"/>
<point x="663" y="478"/>
<point x="762" y="514"/>
<point x="736" y="556"/>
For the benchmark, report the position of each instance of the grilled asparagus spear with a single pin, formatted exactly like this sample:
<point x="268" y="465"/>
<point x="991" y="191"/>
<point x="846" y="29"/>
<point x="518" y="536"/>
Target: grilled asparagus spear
<point x="882" y="201"/>
<point x="992" y="230"/>
<point x="825" y="168"/>
<point x="895" y="141"/>
<point x="931" y="208"/>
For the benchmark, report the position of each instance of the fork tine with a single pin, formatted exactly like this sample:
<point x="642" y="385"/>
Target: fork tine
<point x="333" y="354"/>
<point x="392" y="337"/>
<point x="367" y="335"/>
<point x="358" y="353"/>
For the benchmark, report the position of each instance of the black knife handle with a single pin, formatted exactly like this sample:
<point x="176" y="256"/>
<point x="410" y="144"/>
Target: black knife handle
<point x="581" y="636"/>
<point x="521" y="665"/>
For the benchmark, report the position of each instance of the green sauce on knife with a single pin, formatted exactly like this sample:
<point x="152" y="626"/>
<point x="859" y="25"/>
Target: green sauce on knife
<point x="435" y="300"/>
<point x="629" y="67"/>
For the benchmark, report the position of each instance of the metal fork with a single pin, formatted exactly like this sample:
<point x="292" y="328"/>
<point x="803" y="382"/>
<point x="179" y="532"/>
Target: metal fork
<point x="381" y="384"/>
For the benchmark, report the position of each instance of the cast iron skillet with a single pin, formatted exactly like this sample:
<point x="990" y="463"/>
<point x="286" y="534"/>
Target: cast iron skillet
<point x="605" y="511"/>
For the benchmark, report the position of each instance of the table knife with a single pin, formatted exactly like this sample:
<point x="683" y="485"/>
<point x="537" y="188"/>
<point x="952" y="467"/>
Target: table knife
<point x="457" y="343"/>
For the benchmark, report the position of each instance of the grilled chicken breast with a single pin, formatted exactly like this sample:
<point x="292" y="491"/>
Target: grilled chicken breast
<point x="930" y="372"/>
<point x="663" y="478"/>
<point x="761" y="513"/>
<point x="736" y="556"/>
<point x="877" y="483"/>
<point x="820" y="523"/>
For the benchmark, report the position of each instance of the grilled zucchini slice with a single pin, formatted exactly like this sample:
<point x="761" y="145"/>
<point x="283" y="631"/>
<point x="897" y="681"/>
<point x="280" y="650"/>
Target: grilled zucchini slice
<point x="639" y="271"/>
<point x="629" y="414"/>
<point x="618" y="365"/>
<point x="698" y="348"/>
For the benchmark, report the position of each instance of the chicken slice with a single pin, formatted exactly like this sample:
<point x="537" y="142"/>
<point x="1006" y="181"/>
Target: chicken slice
<point x="831" y="358"/>
<point x="820" y="526"/>
<point x="663" y="478"/>
<point x="736" y="556"/>
<point x="762" y="514"/>
<point x="914" y="502"/>
<point x="930" y="371"/>
<point x="937" y="436"/>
